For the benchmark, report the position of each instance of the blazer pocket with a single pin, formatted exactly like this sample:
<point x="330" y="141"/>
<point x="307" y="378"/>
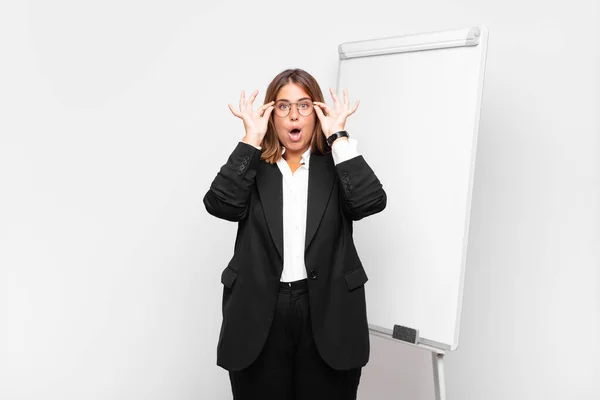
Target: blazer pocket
<point x="356" y="278"/>
<point x="228" y="277"/>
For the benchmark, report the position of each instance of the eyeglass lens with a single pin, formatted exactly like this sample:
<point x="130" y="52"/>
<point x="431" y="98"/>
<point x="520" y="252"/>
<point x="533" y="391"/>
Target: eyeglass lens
<point x="305" y="108"/>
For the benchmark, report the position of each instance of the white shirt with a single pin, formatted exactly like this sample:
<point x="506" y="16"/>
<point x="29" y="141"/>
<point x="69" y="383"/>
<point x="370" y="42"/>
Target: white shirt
<point x="295" y="202"/>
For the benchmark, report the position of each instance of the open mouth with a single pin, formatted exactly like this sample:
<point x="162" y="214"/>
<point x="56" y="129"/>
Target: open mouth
<point x="295" y="134"/>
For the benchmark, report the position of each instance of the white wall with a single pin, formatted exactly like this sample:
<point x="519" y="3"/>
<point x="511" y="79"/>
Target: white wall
<point x="113" y="122"/>
<point x="531" y="316"/>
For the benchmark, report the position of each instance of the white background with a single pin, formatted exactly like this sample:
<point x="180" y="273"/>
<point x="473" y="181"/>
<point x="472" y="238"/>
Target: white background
<point x="113" y="123"/>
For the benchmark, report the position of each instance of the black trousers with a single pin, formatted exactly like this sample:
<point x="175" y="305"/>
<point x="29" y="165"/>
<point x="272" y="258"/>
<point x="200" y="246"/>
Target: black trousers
<point x="289" y="366"/>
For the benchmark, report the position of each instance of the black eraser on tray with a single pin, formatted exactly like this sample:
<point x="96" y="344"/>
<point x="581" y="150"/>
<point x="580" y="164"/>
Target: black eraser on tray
<point x="406" y="334"/>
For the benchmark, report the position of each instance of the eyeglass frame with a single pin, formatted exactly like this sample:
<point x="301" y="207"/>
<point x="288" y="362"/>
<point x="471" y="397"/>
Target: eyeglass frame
<point x="308" y="100"/>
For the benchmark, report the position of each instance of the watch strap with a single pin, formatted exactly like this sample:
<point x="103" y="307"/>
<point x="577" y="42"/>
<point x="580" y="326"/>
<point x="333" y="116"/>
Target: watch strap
<point x="334" y="136"/>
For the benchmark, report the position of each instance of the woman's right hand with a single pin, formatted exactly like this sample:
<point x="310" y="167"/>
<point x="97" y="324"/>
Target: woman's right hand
<point x="255" y="122"/>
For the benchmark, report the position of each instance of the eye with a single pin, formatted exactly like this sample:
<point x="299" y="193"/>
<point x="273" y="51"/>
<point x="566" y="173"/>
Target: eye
<point x="304" y="105"/>
<point x="283" y="106"/>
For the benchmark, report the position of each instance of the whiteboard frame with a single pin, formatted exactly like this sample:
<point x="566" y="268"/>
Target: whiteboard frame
<point x="473" y="36"/>
<point x="409" y="43"/>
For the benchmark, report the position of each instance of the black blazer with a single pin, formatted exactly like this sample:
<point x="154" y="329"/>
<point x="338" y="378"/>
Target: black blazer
<point x="249" y="191"/>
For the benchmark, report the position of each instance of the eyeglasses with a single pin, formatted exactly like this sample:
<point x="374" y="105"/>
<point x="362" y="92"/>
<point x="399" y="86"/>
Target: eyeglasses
<point x="282" y="108"/>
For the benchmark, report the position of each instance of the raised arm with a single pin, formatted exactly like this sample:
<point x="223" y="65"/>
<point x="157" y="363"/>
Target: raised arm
<point x="362" y="192"/>
<point x="230" y="191"/>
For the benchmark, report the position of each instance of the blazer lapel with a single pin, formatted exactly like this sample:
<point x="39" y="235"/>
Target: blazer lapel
<point x="321" y="176"/>
<point x="270" y="191"/>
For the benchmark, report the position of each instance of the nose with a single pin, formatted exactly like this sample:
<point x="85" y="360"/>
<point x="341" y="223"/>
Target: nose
<point x="294" y="114"/>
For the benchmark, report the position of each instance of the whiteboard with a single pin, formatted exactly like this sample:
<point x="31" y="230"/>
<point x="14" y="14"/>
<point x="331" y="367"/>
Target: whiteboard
<point x="417" y="127"/>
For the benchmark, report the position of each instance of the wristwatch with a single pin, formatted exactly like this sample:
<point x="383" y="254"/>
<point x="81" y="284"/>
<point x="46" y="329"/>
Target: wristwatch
<point x="335" y="136"/>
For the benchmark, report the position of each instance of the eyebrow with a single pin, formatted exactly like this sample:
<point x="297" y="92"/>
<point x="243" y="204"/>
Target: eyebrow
<point x="304" y="98"/>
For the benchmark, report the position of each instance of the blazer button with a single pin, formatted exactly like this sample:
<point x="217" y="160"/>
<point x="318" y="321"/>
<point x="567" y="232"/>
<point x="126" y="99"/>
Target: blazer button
<point x="312" y="274"/>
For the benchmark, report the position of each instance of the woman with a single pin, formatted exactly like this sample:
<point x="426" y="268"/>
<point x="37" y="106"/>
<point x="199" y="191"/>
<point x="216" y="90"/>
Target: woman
<point x="294" y="312"/>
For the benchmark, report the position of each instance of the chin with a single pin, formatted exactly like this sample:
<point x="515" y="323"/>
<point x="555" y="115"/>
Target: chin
<point x="298" y="146"/>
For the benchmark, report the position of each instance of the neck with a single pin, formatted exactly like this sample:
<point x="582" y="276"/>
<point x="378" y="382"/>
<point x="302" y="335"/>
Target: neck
<point x="293" y="157"/>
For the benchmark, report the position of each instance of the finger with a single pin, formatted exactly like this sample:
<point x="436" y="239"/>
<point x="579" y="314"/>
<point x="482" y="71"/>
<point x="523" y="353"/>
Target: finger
<point x="252" y="97"/>
<point x="322" y="120"/>
<point x="346" y="101"/>
<point x="236" y="113"/>
<point x="263" y="109"/>
<point x="336" y="101"/>
<point x="319" y="112"/>
<point x="354" y="108"/>
<point x="268" y="111"/>
<point x="265" y="106"/>
<point x="325" y="107"/>
<point x="242" y="100"/>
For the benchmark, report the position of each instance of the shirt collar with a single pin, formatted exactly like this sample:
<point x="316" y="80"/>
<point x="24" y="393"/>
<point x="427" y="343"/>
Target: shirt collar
<point x="305" y="157"/>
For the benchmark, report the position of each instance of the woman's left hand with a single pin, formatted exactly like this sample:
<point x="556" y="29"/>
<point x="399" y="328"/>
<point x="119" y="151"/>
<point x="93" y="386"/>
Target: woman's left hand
<point x="334" y="120"/>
